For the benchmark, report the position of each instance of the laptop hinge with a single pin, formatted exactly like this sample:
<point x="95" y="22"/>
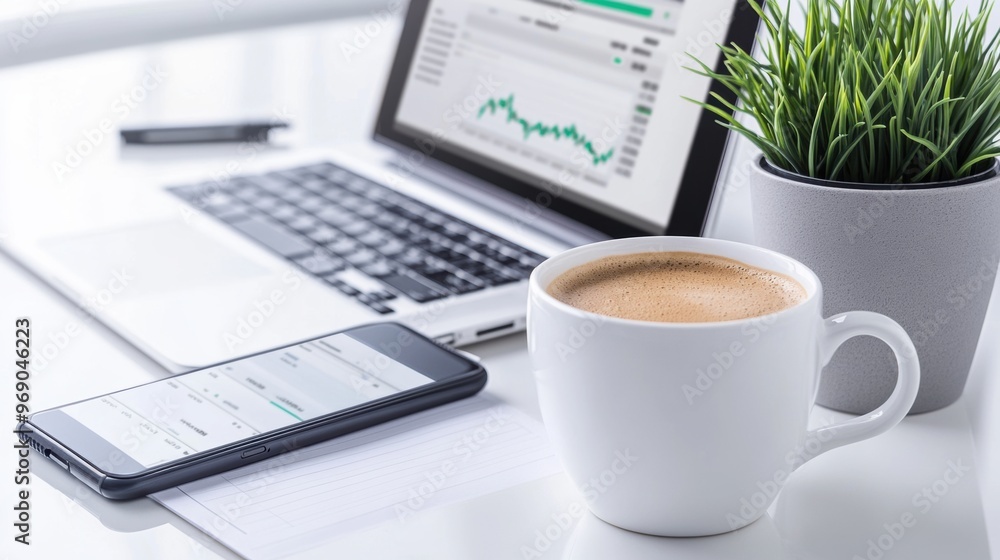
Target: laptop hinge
<point x="533" y="216"/>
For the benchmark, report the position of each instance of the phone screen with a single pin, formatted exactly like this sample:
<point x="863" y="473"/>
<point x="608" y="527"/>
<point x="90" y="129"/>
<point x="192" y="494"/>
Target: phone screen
<point x="168" y="420"/>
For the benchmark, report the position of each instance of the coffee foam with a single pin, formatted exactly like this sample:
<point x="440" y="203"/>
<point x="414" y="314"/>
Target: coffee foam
<point x="676" y="287"/>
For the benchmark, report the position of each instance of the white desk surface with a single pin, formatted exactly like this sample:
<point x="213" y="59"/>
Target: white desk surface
<point x="831" y="508"/>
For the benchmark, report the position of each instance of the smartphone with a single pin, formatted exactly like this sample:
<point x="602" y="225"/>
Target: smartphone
<point x="165" y="433"/>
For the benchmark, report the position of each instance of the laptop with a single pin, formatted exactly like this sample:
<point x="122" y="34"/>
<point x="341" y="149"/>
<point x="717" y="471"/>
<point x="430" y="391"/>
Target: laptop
<point x="510" y="130"/>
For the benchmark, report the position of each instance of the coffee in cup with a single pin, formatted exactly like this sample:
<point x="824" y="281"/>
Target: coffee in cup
<point x="676" y="287"/>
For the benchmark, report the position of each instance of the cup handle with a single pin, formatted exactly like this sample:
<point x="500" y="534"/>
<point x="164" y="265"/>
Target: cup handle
<point x="838" y="329"/>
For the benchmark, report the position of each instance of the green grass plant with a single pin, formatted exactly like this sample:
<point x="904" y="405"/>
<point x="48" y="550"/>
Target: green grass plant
<point x="868" y="91"/>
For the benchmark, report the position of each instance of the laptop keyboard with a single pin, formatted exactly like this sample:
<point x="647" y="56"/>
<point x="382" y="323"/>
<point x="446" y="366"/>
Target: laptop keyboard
<point x="368" y="241"/>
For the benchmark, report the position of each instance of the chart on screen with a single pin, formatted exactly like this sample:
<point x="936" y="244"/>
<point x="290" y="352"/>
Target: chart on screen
<point x="546" y="90"/>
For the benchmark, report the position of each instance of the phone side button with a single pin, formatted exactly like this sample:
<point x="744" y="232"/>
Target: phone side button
<point x="59" y="460"/>
<point x="255" y="451"/>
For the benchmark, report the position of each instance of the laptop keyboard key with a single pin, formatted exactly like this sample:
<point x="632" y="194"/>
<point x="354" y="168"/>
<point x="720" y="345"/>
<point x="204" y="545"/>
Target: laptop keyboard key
<point x="356" y="229"/>
<point x="235" y="217"/>
<point x="392" y="247"/>
<point x="466" y="288"/>
<point x="374" y="303"/>
<point x="336" y="217"/>
<point x="266" y="203"/>
<point x="344" y="288"/>
<point x="248" y="194"/>
<point x="324" y="234"/>
<point x="313" y="203"/>
<point x="274" y="237"/>
<point x="377" y="269"/>
<point x="284" y="212"/>
<point x="454" y="283"/>
<point x="368" y="210"/>
<point x="380" y="307"/>
<point x="411" y="257"/>
<point x="362" y="257"/>
<point x="320" y="264"/>
<point x="303" y="223"/>
<point x="498" y="279"/>
<point x="344" y="246"/>
<point x="269" y="183"/>
<point x="226" y="211"/>
<point x="351" y="201"/>
<point x="412" y="288"/>
<point x="360" y="281"/>
<point x="294" y="194"/>
<point x="317" y="186"/>
<point x="374" y="238"/>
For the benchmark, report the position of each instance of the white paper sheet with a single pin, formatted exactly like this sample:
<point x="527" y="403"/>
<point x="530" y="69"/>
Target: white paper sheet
<point x="305" y="498"/>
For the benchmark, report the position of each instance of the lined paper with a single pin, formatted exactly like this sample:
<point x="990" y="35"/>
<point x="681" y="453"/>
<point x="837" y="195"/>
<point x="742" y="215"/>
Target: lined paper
<point x="392" y="471"/>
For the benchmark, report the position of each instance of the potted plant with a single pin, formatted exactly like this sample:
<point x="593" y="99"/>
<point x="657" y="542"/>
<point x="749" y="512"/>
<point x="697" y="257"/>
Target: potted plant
<point x="878" y="121"/>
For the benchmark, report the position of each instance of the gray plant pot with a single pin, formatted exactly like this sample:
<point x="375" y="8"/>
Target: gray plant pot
<point x="925" y="257"/>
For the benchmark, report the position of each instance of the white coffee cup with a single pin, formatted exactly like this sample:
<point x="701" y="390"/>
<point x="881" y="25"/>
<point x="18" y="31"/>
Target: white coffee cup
<point x="690" y="429"/>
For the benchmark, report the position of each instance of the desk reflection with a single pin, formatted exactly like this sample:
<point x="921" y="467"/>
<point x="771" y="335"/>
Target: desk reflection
<point x="128" y="516"/>
<point x="597" y="540"/>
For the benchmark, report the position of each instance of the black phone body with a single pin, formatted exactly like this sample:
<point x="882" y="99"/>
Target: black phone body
<point x="155" y="436"/>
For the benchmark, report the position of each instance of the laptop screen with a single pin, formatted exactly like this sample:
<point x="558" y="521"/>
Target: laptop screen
<point x="580" y="99"/>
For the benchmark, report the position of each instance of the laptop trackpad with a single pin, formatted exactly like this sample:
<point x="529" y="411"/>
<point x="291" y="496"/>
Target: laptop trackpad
<point x="153" y="258"/>
<point x="192" y="298"/>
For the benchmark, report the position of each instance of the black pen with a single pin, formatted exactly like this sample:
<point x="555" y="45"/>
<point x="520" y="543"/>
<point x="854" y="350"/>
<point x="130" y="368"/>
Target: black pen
<point x="237" y="132"/>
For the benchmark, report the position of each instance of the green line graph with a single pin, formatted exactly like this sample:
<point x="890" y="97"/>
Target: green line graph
<point x="296" y="416"/>
<point x="570" y="132"/>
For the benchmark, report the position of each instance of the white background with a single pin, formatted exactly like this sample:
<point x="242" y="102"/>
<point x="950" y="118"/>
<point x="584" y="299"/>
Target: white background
<point x="301" y="71"/>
